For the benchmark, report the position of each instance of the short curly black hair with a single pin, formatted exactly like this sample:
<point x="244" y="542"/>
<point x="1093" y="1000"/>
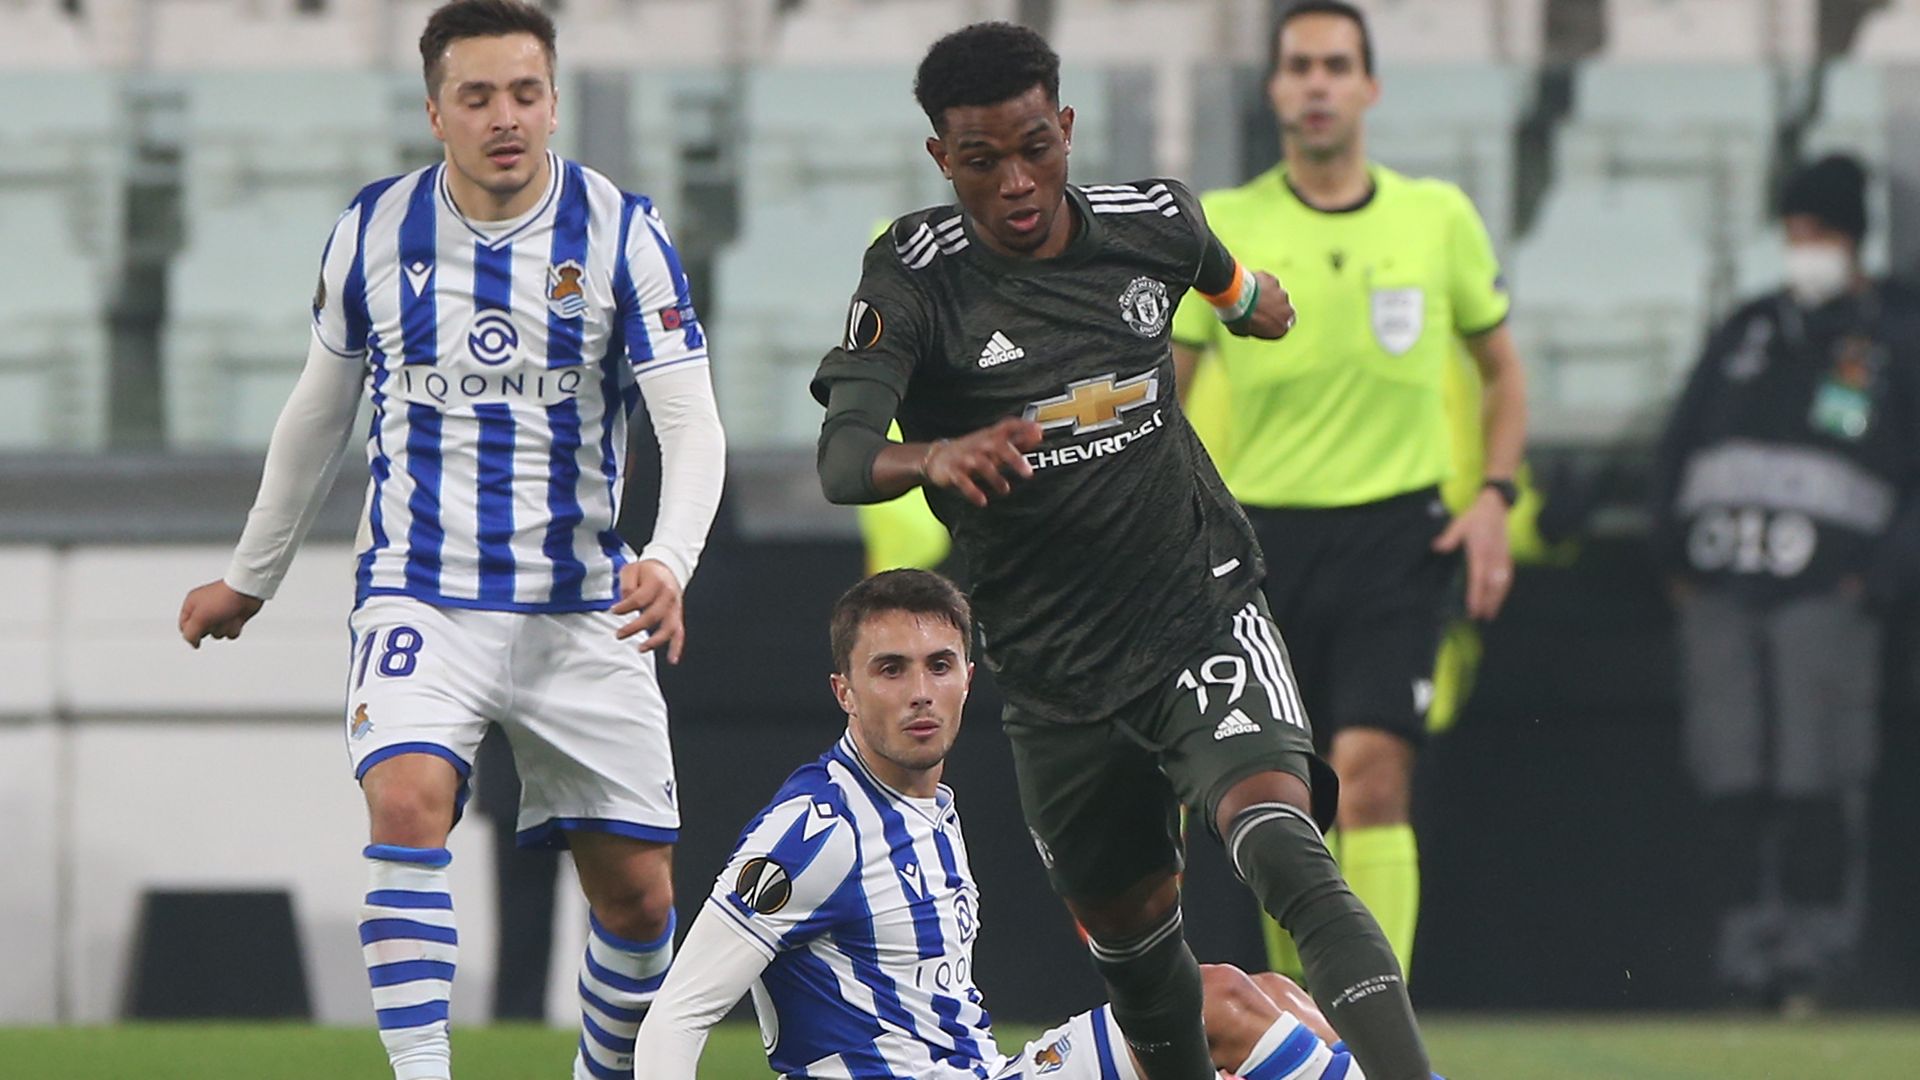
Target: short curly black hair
<point x="984" y="64"/>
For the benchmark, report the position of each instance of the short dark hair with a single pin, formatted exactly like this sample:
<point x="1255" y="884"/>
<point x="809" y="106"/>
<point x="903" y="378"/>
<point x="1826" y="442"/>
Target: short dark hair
<point x="984" y="64"/>
<point x="917" y="592"/>
<point x="1320" y="7"/>
<point x="460" y="19"/>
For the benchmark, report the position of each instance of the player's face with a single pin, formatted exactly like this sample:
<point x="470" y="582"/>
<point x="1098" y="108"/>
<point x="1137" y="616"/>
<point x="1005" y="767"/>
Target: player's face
<point x="1008" y="164"/>
<point x="494" y="110"/>
<point x="903" y="692"/>
<point x="1321" y="88"/>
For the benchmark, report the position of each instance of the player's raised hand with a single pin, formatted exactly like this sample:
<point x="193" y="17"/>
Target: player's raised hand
<point x="216" y="610"/>
<point x="983" y="464"/>
<point x="1273" y="312"/>
<point x="649" y="588"/>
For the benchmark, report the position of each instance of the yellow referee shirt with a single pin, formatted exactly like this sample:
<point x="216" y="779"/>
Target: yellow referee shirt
<point x="1350" y="406"/>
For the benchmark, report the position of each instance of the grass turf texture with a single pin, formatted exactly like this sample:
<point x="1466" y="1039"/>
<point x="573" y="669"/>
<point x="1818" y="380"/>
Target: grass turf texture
<point x="1466" y="1048"/>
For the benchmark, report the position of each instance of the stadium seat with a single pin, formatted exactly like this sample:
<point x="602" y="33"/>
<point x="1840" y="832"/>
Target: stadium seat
<point x="1734" y="31"/>
<point x="1890" y="33"/>
<point x="1610" y="294"/>
<point x="835" y="32"/>
<point x="782" y="294"/>
<point x="269" y="162"/>
<point x="1455" y="122"/>
<point x="1708" y="127"/>
<point x="39" y="35"/>
<point x="1421" y="31"/>
<point x="199" y="35"/>
<point x="672" y="115"/>
<point x="63" y="176"/>
<point x="54" y="351"/>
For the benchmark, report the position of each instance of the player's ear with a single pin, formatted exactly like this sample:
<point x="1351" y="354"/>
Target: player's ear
<point x="842" y="692"/>
<point x="937" y="150"/>
<point x="433" y="119"/>
<point x="1066" y="126"/>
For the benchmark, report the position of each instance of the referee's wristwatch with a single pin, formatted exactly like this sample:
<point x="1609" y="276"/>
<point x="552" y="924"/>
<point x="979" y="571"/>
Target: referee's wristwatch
<point x="1508" y="491"/>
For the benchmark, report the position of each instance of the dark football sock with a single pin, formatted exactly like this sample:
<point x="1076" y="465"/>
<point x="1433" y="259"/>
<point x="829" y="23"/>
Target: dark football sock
<point x="1154" y="983"/>
<point x="1351" y="972"/>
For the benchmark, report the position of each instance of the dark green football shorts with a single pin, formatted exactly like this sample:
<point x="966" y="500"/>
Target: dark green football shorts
<point x="1102" y="799"/>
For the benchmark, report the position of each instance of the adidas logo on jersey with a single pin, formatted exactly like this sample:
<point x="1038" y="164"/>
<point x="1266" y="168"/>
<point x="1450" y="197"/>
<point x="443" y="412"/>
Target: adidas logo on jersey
<point x="1000" y="350"/>
<point x="1236" y="723"/>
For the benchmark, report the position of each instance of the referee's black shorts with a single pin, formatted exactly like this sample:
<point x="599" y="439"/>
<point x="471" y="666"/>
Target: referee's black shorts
<point x="1361" y="598"/>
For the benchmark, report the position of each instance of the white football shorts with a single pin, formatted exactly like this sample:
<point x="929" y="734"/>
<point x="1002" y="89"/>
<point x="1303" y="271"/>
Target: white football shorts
<point x="582" y="710"/>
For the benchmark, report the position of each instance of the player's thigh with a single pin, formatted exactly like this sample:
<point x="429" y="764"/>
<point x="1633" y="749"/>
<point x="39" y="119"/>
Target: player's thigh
<point x="1825" y="663"/>
<point x="1102" y="817"/>
<point x="1231" y="711"/>
<point x="588" y="726"/>
<point x="1724" y="715"/>
<point x="1087" y="1047"/>
<point x="421" y="680"/>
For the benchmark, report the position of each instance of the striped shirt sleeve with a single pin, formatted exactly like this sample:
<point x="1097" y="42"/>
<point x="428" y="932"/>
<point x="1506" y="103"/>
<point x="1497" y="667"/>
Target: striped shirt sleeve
<point x="655" y="301"/>
<point x="339" y="298"/>
<point x="791" y="876"/>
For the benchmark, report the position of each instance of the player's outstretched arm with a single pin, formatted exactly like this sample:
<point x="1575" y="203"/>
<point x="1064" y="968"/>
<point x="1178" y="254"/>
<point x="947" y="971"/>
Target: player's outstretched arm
<point x="303" y="457"/>
<point x="980" y="465"/>
<point x="715" y="967"/>
<point x="858" y="463"/>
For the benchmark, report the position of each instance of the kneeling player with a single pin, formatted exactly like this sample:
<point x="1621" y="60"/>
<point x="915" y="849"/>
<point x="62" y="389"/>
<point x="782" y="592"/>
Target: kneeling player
<point x="849" y="910"/>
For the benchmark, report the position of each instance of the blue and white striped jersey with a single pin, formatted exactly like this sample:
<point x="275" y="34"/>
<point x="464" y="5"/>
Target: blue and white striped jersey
<point x="863" y="900"/>
<point x="503" y="362"/>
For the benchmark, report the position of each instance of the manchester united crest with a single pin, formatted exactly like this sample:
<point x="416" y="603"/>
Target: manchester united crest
<point x="1145" y="307"/>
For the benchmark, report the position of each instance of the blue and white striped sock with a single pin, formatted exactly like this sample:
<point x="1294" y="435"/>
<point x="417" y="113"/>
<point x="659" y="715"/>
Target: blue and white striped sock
<point x="408" y="940"/>
<point x="618" y="979"/>
<point x="1291" y="1051"/>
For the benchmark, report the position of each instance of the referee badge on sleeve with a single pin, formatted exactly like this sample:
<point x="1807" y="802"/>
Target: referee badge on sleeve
<point x="1398" y="317"/>
<point x="863" y="327"/>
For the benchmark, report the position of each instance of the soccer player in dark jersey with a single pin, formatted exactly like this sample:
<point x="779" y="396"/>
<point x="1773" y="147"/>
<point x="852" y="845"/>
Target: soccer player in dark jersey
<point x="1020" y="338"/>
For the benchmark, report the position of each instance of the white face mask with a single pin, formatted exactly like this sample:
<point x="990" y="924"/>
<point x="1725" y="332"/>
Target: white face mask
<point x="1816" y="273"/>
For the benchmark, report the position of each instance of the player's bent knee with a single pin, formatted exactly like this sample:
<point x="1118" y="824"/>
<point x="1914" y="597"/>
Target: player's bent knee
<point x="1264" y="787"/>
<point x="637" y="911"/>
<point x="409" y="817"/>
<point x="1374" y="797"/>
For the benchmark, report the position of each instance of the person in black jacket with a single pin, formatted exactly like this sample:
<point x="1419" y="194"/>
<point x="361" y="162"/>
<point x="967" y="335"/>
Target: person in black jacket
<point x="1786" y="517"/>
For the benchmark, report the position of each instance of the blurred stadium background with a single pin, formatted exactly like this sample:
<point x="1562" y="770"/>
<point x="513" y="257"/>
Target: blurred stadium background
<point x="168" y="169"/>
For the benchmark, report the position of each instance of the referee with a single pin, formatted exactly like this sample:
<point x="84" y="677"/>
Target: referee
<point x="1339" y="433"/>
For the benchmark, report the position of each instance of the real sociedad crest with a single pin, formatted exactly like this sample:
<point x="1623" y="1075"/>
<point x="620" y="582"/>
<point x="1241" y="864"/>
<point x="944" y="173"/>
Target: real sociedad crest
<point x="566" y="295"/>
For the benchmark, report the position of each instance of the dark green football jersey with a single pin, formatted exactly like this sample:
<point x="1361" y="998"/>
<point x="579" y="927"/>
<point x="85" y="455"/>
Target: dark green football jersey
<point x="1096" y="578"/>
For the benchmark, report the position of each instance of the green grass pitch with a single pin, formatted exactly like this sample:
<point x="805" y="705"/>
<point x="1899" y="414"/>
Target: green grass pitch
<point x="1465" y="1048"/>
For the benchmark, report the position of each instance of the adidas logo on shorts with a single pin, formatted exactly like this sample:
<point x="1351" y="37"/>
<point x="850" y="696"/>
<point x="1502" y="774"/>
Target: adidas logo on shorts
<point x="1236" y="723"/>
<point x="1000" y="350"/>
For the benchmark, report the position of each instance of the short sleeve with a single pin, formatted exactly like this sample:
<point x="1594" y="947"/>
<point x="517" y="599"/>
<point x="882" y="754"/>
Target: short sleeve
<point x="653" y="298"/>
<point x="339" y="298"/>
<point x="1479" y="290"/>
<point x="793" y="876"/>
<point x="889" y="326"/>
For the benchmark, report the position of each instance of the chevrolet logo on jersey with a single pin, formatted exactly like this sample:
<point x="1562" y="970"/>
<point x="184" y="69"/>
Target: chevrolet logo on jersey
<point x="1095" y="404"/>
